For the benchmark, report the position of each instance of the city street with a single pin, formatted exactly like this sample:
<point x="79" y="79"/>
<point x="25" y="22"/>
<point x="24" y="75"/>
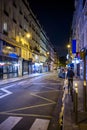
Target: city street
<point x="31" y="104"/>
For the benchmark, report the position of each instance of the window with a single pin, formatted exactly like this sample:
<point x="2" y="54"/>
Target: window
<point x="25" y="18"/>
<point x="5" y="29"/>
<point x="20" y="12"/>
<point x="14" y="17"/>
<point x="14" y="20"/>
<point x="6" y="10"/>
<point x="14" y="4"/>
<point x="84" y="3"/>
<point x="6" y="13"/>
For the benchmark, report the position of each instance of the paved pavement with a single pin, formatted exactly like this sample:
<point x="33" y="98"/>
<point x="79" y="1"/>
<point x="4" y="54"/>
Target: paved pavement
<point x="74" y="120"/>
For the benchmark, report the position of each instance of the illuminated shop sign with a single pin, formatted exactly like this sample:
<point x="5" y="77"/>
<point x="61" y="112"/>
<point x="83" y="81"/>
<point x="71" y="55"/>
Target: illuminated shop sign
<point x="73" y="46"/>
<point x="13" y="55"/>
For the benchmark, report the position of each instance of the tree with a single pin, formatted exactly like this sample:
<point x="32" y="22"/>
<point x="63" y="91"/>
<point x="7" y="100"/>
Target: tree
<point x="62" y="61"/>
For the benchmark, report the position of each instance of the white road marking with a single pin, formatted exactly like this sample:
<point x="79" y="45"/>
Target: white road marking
<point x="9" y="123"/>
<point x="5" y="92"/>
<point x="45" y="83"/>
<point x="40" y="124"/>
<point x="9" y="86"/>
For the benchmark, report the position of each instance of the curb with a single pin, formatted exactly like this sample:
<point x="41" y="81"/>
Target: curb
<point x="22" y="78"/>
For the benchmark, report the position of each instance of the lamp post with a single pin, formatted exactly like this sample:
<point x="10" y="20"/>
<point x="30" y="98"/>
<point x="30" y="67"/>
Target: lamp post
<point x="68" y="46"/>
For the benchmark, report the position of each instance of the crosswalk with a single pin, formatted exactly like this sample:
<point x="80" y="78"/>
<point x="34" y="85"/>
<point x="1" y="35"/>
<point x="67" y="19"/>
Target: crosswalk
<point x="9" y="123"/>
<point x="12" y="121"/>
<point x="40" y="124"/>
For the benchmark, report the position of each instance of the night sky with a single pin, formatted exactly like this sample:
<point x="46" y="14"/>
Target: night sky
<point x="55" y="16"/>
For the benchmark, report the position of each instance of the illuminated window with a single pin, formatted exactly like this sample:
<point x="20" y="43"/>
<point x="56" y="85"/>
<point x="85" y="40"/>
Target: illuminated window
<point x="5" y="27"/>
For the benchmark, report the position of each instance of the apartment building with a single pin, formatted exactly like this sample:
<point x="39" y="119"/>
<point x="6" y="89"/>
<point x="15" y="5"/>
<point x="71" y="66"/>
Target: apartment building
<point x="24" y="45"/>
<point x="79" y="27"/>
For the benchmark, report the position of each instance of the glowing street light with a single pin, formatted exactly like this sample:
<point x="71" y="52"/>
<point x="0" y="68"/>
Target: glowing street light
<point x="68" y="46"/>
<point x="28" y="35"/>
<point x="68" y="55"/>
<point x="48" y="53"/>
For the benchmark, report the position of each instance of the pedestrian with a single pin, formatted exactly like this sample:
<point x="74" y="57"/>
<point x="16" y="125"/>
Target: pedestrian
<point x="70" y="75"/>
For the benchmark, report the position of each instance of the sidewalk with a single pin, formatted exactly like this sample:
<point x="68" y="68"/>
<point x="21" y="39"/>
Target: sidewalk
<point x="69" y="115"/>
<point x="10" y="80"/>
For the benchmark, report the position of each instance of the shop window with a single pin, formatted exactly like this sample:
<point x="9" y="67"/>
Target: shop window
<point x="10" y="68"/>
<point x="5" y="70"/>
<point x="14" y="68"/>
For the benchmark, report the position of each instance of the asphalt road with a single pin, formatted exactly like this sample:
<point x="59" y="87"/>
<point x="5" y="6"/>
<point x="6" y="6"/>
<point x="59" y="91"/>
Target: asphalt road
<point x="31" y="104"/>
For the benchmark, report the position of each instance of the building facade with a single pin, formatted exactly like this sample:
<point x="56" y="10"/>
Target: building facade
<point x="24" y="46"/>
<point x="79" y="27"/>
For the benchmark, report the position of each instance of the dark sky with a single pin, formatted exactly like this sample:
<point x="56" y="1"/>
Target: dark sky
<point x="55" y="16"/>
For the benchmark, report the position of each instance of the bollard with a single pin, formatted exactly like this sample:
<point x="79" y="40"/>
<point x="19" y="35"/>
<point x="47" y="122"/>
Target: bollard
<point x="76" y="103"/>
<point x="74" y="100"/>
<point x="84" y="96"/>
<point x="61" y="118"/>
<point x="61" y="121"/>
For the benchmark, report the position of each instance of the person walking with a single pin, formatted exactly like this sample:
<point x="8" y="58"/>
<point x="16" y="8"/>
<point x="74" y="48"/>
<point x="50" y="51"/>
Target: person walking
<point x="70" y="75"/>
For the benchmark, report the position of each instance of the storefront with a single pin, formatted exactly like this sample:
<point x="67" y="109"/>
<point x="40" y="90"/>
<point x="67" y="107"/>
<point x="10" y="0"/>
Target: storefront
<point x="8" y="67"/>
<point x="8" y="60"/>
<point x="30" y="65"/>
<point x="25" y="67"/>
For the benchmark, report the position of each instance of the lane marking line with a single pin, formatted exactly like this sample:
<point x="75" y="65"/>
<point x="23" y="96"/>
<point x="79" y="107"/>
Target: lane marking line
<point x="9" y="123"/>
<point x="24" y="108"/>
<point x="46" y="83"/>
<point x="43" y="98"/>
<point x="49" y="91"/>
<point x="40" y="124"/>
<point x="26" y="115"/>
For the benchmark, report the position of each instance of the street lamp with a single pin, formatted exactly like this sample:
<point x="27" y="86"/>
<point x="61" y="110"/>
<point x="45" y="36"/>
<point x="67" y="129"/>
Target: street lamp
<point x="68" y="46"/>
<point x="28" y="35"/>
<point x="68" y="56"/>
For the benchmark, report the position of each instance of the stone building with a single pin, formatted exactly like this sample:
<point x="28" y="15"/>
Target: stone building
<point x="24" y="45"/>
<point x="79" y="27"/>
